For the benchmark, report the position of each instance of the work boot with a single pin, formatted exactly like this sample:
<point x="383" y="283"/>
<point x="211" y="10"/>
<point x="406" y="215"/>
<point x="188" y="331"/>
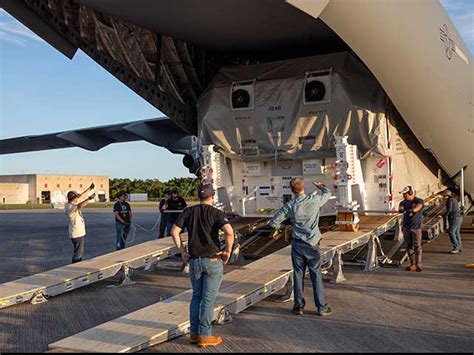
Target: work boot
<point x="412" y="267"/>
<point x="298" y="311"/>
<point x="209" y="341"/>
<point x="326" y="312"/>
<point x="419" y="268"/>
<point x="455" y="251"/>
<point x="193" y="338"/>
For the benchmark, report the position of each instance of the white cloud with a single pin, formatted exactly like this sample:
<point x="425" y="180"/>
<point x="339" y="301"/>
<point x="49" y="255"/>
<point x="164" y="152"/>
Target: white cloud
<point x="14" y="32"/>
<point x="5" y="37"/>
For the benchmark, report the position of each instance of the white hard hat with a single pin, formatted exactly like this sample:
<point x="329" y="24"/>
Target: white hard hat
<point x="407" y="190"/>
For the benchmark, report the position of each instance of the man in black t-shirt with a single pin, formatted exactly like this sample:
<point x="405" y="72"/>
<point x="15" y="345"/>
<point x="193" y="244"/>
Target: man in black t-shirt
<point x="175" y="205"/>
<point x="411" y="207"/>
<point x="123" y="220"/>
<point x="163" y="216"/>
<point x="206" y="260"/>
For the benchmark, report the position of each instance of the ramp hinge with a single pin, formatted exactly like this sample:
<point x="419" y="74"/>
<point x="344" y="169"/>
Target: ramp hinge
<point x="224" y="317"/>
<point x="337" y="275"/>
<point x="38" y="297"/>
<point x="126" y="275"/>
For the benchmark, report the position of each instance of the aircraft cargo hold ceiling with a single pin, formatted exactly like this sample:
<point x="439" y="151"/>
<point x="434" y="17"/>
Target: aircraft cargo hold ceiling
<point x="243" y="25"/>
<point x="168" y="63"/>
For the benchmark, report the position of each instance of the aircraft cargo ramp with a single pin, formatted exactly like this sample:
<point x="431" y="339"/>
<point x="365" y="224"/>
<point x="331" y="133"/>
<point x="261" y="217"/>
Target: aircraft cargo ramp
<point x="373" y="311"/>
<point x="241" y="289"/>
<point x="39" y="287"/>
<point x="36" y="288"/>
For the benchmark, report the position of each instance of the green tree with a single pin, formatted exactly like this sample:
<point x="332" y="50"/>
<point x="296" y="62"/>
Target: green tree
<point x="187" y="187"/>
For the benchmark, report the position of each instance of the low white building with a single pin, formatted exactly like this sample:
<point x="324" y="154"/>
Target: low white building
<point x="49" y="188"/>
<point x="13" y="193"/>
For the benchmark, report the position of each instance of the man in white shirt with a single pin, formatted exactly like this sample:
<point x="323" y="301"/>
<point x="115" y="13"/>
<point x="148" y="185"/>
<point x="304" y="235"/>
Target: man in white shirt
<point x="77" y="227"/>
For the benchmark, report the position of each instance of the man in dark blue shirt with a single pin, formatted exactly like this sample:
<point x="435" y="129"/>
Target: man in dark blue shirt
<point x="411" y="207"/>
<point x="454" y="215"/>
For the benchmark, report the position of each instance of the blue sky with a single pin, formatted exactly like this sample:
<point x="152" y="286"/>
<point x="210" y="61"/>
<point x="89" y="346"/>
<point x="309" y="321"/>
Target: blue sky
<point x="41" y="91"/>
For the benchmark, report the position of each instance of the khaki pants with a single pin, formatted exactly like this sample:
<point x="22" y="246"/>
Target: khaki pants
<point x="413" y="244"/>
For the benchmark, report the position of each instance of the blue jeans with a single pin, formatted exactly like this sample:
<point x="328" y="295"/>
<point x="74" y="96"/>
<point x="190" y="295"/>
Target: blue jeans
<point x="206" y="277"/>
<point x="454" y="232"/>
<point x="122" y="234"/>
<point x="305" y="256"/>
<point x="78" y="244"/>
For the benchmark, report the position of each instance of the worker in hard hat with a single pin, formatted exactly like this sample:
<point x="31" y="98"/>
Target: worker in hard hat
<point x="77" y="227"/>
<point x="412" y="207"/>
<point x="454" y="217"/>
<point x="303" y="212"/>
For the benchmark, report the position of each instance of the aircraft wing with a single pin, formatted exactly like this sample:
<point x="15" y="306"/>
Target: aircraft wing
<point x="158" y="131"/>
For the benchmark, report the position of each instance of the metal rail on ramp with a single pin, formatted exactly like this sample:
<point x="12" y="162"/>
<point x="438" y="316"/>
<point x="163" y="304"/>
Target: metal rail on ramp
<point x="240" y="289"/>
<point x="37" y="288"/>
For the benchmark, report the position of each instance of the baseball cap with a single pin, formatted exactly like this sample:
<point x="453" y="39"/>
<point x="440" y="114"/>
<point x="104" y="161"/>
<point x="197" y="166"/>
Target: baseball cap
<point x="71" y="195"/>
<point x="205" y="191"/>
<point x="406" y="189"/>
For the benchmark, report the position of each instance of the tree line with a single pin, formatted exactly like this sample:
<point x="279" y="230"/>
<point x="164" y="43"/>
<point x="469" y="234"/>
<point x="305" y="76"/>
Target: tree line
<point x="154" y="187"/>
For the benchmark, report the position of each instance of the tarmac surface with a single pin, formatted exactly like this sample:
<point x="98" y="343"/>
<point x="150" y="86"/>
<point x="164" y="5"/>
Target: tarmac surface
<point x="388" y="310"/>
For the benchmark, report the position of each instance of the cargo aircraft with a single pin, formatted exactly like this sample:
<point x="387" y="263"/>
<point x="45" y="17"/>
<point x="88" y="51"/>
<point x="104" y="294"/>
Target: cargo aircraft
<point x="366" y="96"/>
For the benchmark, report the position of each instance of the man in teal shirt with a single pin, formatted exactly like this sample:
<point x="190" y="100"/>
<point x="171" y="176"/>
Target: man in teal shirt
<point x="303" y="213"/>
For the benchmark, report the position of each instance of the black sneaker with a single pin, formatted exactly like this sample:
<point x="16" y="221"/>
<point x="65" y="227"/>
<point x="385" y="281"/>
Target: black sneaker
<point x="325" y="313"/>
<point x="298" y="311"/>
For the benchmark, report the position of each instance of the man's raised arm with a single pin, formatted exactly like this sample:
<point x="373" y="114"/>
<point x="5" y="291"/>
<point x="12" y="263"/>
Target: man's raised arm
<point x="322" y="193"/>
<point x="85" y="193"/>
